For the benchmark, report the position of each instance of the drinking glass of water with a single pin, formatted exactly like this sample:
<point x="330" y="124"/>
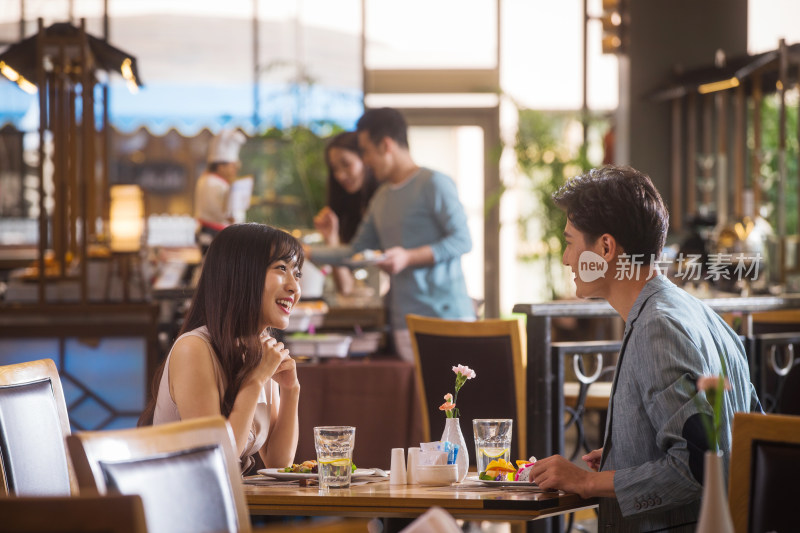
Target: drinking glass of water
<point x="334" y="445"/>
<point x="492" y="440"/>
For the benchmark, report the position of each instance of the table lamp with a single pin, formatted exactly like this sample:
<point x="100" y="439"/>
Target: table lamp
<point x="126" y="218"/>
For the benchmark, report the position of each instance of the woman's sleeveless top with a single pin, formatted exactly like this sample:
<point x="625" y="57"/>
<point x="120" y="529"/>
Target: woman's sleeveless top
<point x="166" y="410"/>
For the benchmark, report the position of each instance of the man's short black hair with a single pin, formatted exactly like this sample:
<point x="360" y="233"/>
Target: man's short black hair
<point x="384" y="122"/>
<point x="620" y="201"/>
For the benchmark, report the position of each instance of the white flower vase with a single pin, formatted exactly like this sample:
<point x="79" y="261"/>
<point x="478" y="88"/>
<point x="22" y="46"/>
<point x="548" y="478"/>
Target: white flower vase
<point x="715" y="515"/>
<point x="452" y="433"/>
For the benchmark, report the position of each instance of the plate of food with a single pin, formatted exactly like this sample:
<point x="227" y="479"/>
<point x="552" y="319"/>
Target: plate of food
<point x="305" y="470"/>
<point x="501" y="473"/>
<point x="365" y="258"/>
<point x="506" y="483"/>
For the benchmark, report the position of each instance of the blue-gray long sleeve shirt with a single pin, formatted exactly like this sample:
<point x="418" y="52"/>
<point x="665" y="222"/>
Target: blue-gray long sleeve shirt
<point x="654" y="441"/>
<point x="424" y="210"/>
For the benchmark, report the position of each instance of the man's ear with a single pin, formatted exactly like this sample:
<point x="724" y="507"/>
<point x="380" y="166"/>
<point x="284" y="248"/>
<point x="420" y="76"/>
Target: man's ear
<point x="387" y="145"/>
<point x="608" y="247"/>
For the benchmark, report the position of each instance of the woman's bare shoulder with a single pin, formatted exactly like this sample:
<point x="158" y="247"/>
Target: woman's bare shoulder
<point x="191" y="351"/>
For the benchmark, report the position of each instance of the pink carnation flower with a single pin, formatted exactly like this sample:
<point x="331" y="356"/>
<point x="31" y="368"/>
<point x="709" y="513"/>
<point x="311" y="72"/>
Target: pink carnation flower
<point x="465" y="371"/>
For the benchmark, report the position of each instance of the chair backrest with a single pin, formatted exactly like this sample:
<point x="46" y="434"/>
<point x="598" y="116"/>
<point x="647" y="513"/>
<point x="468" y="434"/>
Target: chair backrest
<point x="496" y="349"/>
<point x="764" y="469"/>
<point x="788" y="401"/>
<point x="33" y="424"/>
<point x="187" y="473"/>
<point x="68" y="514"/>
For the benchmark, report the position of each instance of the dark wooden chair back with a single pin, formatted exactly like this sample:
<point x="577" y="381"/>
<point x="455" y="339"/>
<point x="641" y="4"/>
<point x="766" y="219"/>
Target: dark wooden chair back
<point x="496" y="350"/>
<point x="788" y="401"/>
<point x="187" y="473"/>
<point x="33" y="424"/>
<point x="764" y="469"/>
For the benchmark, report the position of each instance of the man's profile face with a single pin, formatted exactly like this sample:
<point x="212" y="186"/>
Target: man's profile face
<point x="588" y="267"/>
<point x="373" y="156"/>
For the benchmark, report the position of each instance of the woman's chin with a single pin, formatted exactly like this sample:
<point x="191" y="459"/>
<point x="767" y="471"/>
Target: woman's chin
<point x="281" y="323"/>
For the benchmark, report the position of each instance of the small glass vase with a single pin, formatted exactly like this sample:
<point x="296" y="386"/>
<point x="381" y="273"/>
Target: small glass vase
<point x="452" y="433"/>
<point x="715" y="516"/>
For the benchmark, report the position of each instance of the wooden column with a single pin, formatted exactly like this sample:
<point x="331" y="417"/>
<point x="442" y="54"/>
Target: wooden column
<point x="87" y="189"/>
<point x="723" y="187"/>
<point x="41" y="79"/>
<point x="676" y="178"/>
<point x="691" y="154"/>
<point x="740" y="104"/>
<point x="707" y="157"/>
<point x="757" y="153"/>
<point x="783" y="66"/>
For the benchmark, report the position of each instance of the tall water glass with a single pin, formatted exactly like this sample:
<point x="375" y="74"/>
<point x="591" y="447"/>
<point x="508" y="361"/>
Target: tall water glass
<point x="492" y="440"/>
<point x="334" y="445"/>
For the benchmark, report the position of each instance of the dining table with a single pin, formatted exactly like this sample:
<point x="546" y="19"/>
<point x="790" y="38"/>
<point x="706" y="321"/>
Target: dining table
<point x="378" y="498"/>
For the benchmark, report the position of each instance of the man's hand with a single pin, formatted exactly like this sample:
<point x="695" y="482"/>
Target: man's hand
<point x="592" y="459"/>
<point x="327" y="223"/>
<point x="395" y="260"/>
<point x="555" y="472"/>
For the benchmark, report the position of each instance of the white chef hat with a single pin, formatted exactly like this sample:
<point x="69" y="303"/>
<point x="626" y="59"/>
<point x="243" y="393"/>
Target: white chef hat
<point x="224" y="147"/>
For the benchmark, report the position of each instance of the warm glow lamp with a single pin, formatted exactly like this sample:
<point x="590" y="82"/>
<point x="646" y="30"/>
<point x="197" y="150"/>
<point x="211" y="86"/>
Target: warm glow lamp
<point x="7" y="71"/>
<point x="126" y="218"/>
<point x="614" y="26"/>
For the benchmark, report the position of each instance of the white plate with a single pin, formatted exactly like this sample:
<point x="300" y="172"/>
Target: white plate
<point x="360" y="263"/>
<point x="291" y="476"/>
<point x="503" y="483"/>
<point x="371" y="259"/>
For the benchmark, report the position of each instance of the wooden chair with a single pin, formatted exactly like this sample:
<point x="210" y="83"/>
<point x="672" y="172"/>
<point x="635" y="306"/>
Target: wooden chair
<point x="68" y="514"/>
<point x="187" y="473"/>
<point x="497" y="351"/>
<point x="788" y="401"/>
<point x="33" y="424"/>
<point x="764" y="469"/>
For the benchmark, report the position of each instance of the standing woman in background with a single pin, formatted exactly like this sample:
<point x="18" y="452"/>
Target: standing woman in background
<point x="350" y="188"/>
<point x="225" y="361"/>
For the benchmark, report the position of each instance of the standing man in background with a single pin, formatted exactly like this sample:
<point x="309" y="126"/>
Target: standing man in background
<point x="212" y="192"/>
<point x="417" y="220"/>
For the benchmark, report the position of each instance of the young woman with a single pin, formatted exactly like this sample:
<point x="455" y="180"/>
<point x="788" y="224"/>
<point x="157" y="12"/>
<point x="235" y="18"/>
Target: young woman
<point x="225" y="361"/>
<point x="350" y="188"/>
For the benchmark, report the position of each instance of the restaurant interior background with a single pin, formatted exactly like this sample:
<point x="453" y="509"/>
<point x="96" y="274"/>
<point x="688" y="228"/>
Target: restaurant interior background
<point x="500" y="94"/>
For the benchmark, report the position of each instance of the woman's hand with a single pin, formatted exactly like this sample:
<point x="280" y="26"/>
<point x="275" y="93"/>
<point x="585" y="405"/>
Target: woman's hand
<point x="286" y="374"/>
<point x="327" y="223"/>
<point x="272" y="355"/>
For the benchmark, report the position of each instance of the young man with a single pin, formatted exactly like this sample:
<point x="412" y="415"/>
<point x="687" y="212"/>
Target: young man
<point x="416" y="218"/>
<point x="649" y="472"/>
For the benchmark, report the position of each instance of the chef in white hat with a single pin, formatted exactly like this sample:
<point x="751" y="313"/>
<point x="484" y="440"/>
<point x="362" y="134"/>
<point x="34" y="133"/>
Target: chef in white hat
<point x="211" y="203"/>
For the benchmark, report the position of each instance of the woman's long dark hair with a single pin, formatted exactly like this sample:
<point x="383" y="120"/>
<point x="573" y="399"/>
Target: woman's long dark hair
<point x="228" y="302"/>
<point x="350" y="208"/>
